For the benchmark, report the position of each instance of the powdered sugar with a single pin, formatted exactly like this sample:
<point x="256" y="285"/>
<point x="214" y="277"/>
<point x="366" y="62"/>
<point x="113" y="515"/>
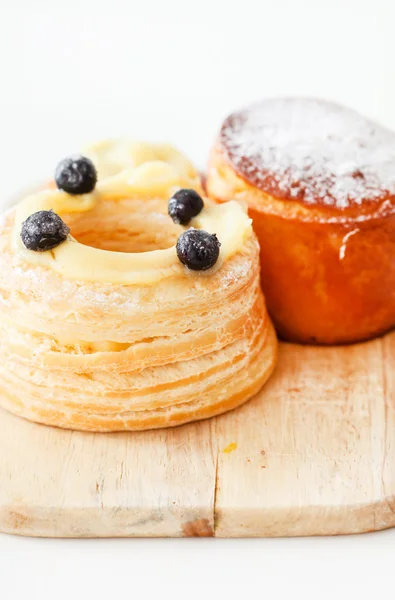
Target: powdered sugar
<point x="312" y="151"/>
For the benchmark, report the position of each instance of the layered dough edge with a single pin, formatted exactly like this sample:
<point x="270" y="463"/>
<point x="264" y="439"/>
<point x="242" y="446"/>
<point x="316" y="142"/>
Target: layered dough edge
<point x="102" y="356"/>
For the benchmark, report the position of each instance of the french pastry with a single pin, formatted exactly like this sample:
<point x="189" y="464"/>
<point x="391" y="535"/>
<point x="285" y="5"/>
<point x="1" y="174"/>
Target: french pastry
<point x="122" y="310"/>
<point x="319" y="181"/>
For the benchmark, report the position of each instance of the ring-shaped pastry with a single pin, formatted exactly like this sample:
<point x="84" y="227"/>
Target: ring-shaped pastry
<point x="109" y="331"/>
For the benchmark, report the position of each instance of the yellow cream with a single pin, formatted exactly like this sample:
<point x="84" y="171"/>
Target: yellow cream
<point x="130" y="170"/>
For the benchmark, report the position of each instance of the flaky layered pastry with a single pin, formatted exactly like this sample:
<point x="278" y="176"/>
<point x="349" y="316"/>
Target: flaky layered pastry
<point x="319" y="180"/>
<point x="109" y="331"/>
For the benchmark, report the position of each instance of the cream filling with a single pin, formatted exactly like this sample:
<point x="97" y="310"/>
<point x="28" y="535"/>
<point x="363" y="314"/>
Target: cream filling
<point x="165" y="172"/>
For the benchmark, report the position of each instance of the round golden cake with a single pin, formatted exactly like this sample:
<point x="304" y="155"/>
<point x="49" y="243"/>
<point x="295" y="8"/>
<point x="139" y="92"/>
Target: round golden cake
<point x="319" y="181"/>
<point x="109" y="331"/>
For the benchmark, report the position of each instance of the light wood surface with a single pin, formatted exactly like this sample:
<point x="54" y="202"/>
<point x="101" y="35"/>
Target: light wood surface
<point x="312" y="454"/>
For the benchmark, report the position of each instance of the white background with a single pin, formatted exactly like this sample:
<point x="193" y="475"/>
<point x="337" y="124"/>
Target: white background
<point x="74" y="71"/>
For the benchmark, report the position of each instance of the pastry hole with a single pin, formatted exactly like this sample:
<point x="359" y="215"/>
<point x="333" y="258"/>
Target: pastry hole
<point x="125" y="226"/>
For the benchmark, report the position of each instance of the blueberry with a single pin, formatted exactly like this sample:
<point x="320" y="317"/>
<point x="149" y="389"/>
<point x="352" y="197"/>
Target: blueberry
<point x="197" y="249"/>
<point x="43" y="230"/>
<point x="184" y="205"/>
<point x="76" y="175"/>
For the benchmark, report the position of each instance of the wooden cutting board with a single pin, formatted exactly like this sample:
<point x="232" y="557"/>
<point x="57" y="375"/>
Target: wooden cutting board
<point x="312" y="454"/>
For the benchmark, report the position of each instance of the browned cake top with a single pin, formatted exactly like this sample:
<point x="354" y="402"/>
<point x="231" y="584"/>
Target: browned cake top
<point x="312" y="151"/>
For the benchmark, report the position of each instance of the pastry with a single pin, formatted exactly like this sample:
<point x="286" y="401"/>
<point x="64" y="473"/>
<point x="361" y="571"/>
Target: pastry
<point x="114" y="314"/>
<point x="319" y="180"/>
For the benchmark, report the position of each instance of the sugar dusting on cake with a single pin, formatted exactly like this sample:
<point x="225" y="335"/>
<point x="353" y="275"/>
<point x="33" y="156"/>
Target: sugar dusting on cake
<point x="313" y="151"/>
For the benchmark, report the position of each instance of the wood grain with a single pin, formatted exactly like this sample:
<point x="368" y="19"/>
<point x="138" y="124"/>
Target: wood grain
<point x="318" y="457"/>
<point x="312" y="454"/>
<point x="69" y="484"/>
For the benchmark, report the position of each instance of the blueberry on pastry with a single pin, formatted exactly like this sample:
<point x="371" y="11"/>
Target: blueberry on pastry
<point x="184" y="205"/>
<point x="197" y="249"/>
<point x="43" y="230"/>
<point x="76" y="175"/>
